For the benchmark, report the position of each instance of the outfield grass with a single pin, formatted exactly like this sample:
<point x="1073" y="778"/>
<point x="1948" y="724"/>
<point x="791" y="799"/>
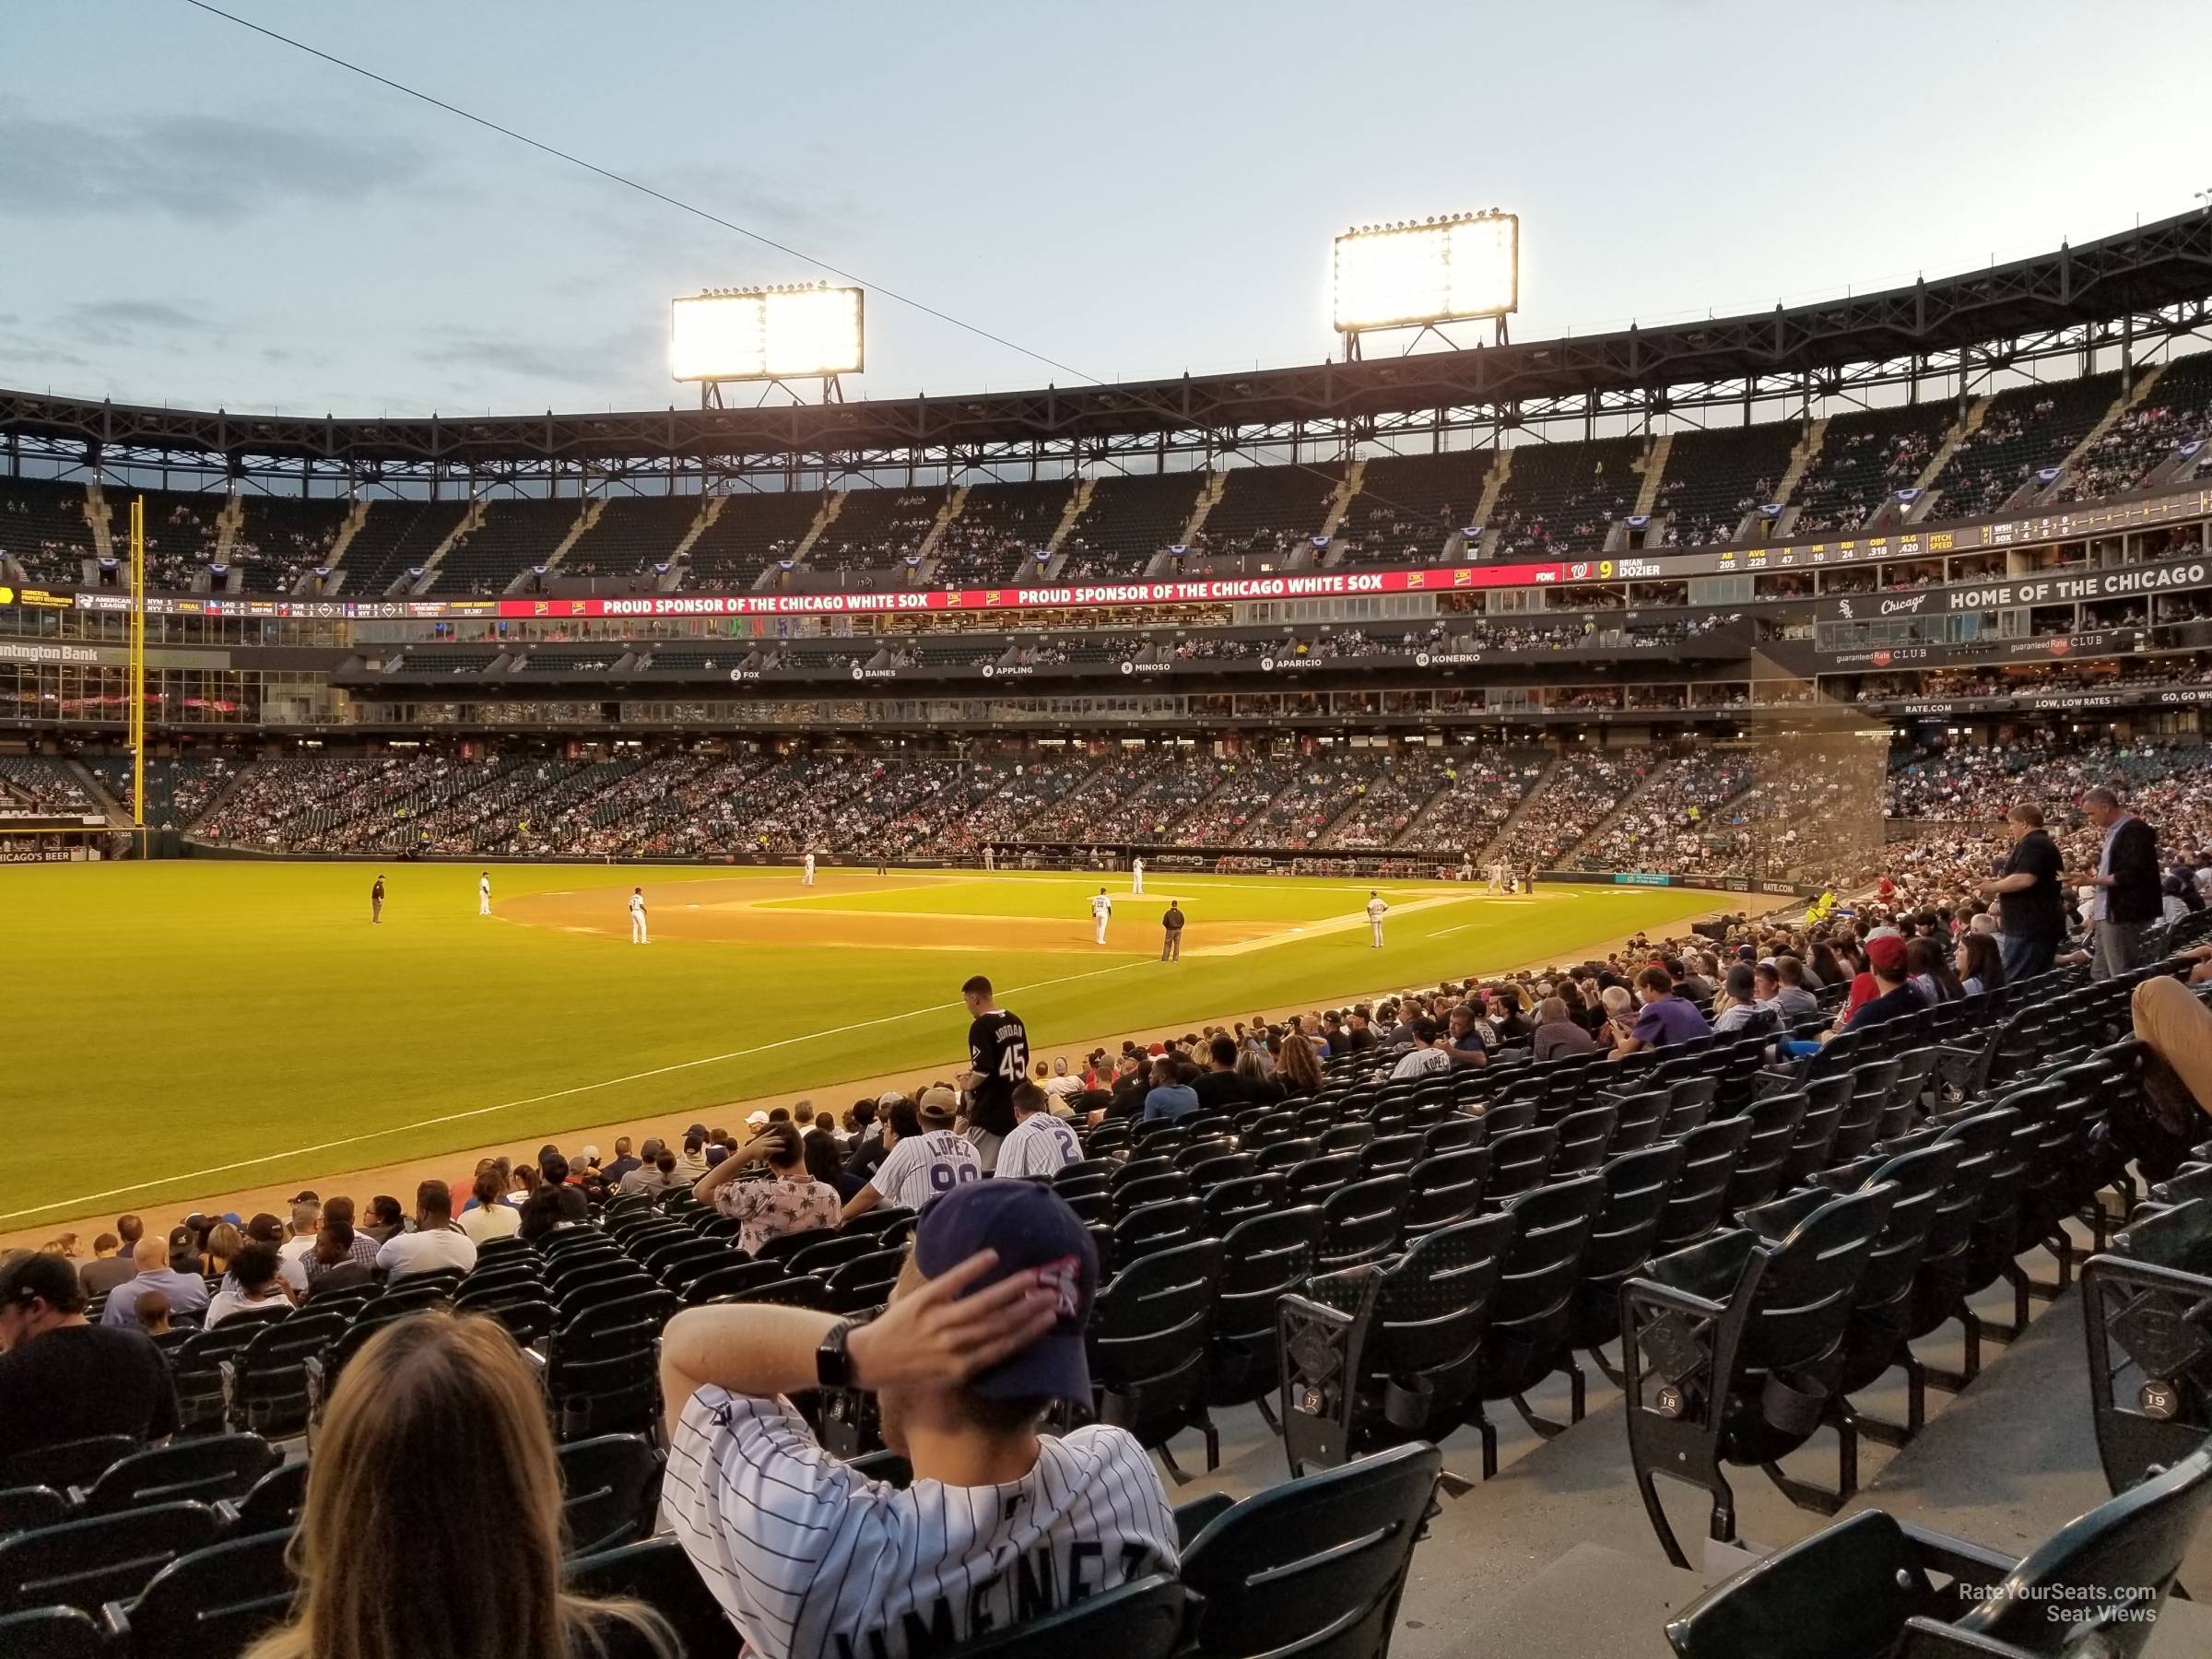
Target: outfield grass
<point x="179" y="1028"/>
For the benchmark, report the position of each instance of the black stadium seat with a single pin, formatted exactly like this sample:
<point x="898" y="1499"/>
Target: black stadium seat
<point x="1862" y="1589"/>
<point x="1387" y="1352"/>
<point x="658" y="1573"/>
<point x="1313" y="1569"/>
<point x="213" y="1602"/>
<point x="1142" y="1619"/>
<point x="53" y="1633"/>
<point x="2145" y="1306"/>
<point x="1731" y="1348"/>
<point x="1150" y="1339"/>
<point x="89" y="1563"/>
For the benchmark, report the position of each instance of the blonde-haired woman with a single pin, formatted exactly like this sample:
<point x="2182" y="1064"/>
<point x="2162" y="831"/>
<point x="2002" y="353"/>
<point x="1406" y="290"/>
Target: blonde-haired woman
<point x="432" y="1523"/>
<point x="1298" y="1068"/>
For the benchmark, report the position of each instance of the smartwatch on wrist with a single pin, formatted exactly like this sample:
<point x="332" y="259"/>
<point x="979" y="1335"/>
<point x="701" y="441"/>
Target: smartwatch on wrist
<point x="832" y="1363"/>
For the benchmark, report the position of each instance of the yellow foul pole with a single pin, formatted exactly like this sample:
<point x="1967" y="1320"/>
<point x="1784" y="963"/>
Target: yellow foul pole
<point x="138" y="672"/>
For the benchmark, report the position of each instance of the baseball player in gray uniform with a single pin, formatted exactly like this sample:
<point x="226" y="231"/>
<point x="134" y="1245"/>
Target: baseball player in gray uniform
<point x="812" y="1561"/>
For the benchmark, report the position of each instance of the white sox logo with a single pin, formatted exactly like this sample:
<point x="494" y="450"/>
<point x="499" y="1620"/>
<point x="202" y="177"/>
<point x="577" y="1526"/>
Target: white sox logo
<point x="1064" y="1279"/>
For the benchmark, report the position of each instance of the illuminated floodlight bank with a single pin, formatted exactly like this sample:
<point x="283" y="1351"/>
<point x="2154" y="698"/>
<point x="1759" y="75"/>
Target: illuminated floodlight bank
<point x="1417" y="275"/>
<point x="766" y="333"/>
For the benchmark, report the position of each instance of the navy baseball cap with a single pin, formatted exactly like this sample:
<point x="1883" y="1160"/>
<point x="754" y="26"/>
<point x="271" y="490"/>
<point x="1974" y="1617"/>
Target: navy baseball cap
<point x="1034" y="1231"/>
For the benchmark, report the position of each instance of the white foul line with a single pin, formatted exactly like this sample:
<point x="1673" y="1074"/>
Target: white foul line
<point x="477" y="1112"/>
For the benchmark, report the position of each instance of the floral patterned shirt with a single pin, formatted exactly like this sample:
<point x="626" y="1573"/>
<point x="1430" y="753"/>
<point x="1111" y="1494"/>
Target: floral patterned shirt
<point x="781" y="1204"/>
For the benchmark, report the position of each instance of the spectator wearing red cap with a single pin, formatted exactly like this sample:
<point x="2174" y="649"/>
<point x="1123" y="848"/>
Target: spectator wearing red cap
<point x="1895" y="993"/>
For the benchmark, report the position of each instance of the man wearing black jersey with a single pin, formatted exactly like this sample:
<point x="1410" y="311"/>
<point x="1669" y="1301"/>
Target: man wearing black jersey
<point x="998" y="1058"/>
<point x="376" y="900"/>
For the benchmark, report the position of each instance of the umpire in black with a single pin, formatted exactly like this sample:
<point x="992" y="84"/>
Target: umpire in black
<point x="1171" y="939"/>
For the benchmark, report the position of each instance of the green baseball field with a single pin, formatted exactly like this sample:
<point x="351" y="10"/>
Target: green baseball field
<point x="175" y="1030"/>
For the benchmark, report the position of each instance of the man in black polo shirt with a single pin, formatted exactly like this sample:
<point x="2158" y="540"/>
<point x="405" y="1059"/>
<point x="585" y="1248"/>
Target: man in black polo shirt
<point x="2031" y="909"/>
<point x="61" y="1379"/>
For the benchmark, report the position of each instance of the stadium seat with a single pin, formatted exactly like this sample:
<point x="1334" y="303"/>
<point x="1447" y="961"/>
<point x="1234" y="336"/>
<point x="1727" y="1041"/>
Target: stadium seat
<point x="1882" y="1302"/>
<point x="862" y="1283"/>
<point x="1241" y="1197"/>
<point x="1388" y="1352"/>
<point x="2145" y="1302"/>
<point x="208" y="1604"/>
<point x="1359" y="1221"/>
<point x="1520" y="1160"/>
<point x="1313" y="1569"/>
<point x="200" y="1471"/>
<point x="1142" y="1619"/>
<point x="658" y="1573"/>
<point x="76" y="1462"/>
<point x="271" y="1503"/>
<point x="1526" y="1339"/>
<point x="731" y="1281"/>
<point x="1731" y="1348"/>
<point x="1637" y="1185"/>
<point x="267" y="1378"/>
<point x="1150" y="1334"/>
<point x="835" y="1252"/>
<point x="1862" y="1589"/>
<point x="1156" y="1227"/>
<point x="1443" y="1188"/>
<point x="612" y="1490"/>
<point x="1262" y="1259"/>
<point x="86" y="1564"/>
<point x="787" y="1245"/>
<point x="25" y="1508"/>
<point x="53" y="1633"/>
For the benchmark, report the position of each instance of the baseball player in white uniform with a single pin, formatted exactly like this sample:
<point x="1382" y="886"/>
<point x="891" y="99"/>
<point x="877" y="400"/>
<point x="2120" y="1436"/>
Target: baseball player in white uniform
<point x="637" y="917"/>
<point x="1375" y="908"/>
<point x="807" y="879"/>
<point x="484" y="894"/>
<point x="1136" y="876"/>
<point x="990" y="857"/>
<point x="1101" y="912"/>
<point x="812" y="1559"/>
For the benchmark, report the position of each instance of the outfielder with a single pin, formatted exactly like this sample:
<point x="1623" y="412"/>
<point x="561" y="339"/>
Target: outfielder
<point x="1101" y="909"/>
<point x="1136" y="877"/>
<point x="1375" y="907"/>
<point x="807" y="879"/>
<point x="376" y="900"/>
<point x="484" y="893"/>
<point x="637" y="918"/>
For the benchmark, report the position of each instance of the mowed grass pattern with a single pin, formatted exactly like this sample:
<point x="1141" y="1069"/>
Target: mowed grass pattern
<point x="175" y="1028"/>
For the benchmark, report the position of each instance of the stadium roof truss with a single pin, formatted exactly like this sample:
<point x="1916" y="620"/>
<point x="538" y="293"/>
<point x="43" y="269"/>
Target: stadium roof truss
<point x="2127" y="292"/>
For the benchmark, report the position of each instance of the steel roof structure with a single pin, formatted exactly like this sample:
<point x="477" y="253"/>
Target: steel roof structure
<point x="2124" y="291"/>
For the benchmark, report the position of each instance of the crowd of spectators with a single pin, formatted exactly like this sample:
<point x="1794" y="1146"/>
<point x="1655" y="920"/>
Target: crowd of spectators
<point x="1677" y="807"/>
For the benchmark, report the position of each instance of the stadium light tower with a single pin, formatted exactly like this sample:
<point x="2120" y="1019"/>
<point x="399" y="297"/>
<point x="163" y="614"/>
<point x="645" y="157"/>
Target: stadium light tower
<point x="774" y="336"/>
<point x="1421" y="274"/>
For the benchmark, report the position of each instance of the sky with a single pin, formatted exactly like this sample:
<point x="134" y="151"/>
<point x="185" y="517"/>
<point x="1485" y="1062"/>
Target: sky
<point x="194" y="215"/>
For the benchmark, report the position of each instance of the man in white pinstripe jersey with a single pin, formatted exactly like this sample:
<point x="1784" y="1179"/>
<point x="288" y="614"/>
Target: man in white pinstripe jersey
<point x="983" y="1333"/>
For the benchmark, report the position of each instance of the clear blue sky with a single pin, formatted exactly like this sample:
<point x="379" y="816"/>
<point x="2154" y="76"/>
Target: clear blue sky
<point x="194" y="215"/>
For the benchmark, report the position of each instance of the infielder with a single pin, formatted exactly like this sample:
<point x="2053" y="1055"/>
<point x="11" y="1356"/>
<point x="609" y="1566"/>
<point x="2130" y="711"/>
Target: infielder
<point x="1136" y="877"/>
<point x="1101" y="908"/>
<point x="807" y="879"/>
<point x="376" y="900"/>
<point x="637" y="918"/>
<point x="484" y="893"/>
<point x="1375" y="907"/>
